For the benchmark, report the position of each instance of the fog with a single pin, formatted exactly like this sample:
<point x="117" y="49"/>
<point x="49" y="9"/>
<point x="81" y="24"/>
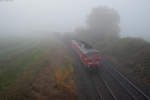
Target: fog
<point x="33" y="16"/>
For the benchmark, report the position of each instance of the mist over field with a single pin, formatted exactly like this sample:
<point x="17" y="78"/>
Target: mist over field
<point x="74" y="49"/>
<point x="32" y="16"/>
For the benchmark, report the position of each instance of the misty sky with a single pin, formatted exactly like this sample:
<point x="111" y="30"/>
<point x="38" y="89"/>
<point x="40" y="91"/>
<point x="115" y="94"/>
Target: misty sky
<point x="23" y="16"/>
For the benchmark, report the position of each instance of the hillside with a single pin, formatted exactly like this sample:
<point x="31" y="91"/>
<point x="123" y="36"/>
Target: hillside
<point x="29" y="69"/>
<point x="132" y="55"/>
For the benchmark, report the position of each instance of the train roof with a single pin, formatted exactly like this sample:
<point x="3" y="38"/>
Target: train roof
<point x="83" y="49"/>
<point x="86" y="51"/>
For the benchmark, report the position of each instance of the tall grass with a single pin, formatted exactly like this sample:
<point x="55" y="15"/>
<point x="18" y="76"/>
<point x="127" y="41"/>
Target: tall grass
<point x="23" y="63"/>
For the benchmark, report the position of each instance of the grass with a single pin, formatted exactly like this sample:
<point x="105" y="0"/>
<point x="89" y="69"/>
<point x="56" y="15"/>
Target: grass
<point x="28" y="74"/>
<point x="29" y="59"/>
<point x="18" y="73"/>
<point x="11" y="48"/>
<point x="64" y="79"/>
<point x="19" y="65"/>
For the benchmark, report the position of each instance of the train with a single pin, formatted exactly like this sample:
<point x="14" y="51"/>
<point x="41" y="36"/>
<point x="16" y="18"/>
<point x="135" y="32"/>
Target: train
<point x="89" y="56"/>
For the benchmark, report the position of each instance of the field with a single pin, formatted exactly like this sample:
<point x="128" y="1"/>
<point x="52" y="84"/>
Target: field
<point x="35" y="68"/>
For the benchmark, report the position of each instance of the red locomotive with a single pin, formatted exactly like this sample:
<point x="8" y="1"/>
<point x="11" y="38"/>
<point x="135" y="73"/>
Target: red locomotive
<point x="89" y="56"/>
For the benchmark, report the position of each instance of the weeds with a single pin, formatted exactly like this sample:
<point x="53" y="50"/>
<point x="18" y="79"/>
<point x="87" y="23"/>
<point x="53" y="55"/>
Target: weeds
<point x="64" y="77"/>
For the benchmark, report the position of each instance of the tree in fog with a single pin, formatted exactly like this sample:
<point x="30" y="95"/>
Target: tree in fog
<point x="102" y="24"/>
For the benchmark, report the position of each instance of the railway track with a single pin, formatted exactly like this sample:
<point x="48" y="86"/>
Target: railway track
<point x="134" y="92"/>
<point x="129" y="92"/>
<point x="102" y="88"/>
<point x="108" y="84"/>
<point x="99" y="92"/>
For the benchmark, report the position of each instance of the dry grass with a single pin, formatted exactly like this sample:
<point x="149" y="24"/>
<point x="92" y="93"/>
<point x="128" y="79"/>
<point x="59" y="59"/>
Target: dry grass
<point x="64" y="79"/>
<point x="49" y="76"/>
<point x="55" y="81"/>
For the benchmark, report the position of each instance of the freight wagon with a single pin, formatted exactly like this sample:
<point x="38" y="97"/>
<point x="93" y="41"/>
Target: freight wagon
<point x="90" y="57"/>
